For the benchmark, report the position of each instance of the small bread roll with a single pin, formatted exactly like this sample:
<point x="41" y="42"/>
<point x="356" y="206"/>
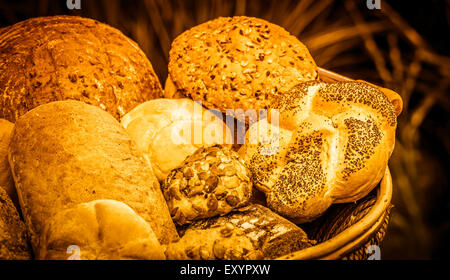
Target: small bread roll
<point x="47" y="59"/>
<point x="13" y="234"/>
<point x="332" y="145"/>
<point x="6" y="179"/>
<point x="237" y="63"/>
<point x="211" y="182"/>
<point x="167" y="131"/>
<point x="99" y="230"/>
<point x="68" y="152"/>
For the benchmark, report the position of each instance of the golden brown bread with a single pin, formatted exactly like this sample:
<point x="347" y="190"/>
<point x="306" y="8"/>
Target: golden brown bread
<point x="67" y="152"/>
<point x="6" y="179"/>
<point x="13" y="235"/>
<point x="169" y="130"/>
<point x="237" y="63"/>
<point x="332" y="145"/>
<point x="99" y="230"/>
<point x="67" y="57"/>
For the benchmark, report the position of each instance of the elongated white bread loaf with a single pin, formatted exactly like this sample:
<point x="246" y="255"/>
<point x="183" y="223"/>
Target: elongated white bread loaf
<point x="67" y="152"/>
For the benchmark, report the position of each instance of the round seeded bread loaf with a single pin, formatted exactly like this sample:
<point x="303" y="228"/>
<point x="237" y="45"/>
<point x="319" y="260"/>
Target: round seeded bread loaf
<point x="237" y="62"/>
<point x="66" y="57"/>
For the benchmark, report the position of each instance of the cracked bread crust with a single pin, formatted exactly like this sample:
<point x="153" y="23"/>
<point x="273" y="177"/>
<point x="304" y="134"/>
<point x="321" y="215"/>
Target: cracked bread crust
<point x="213" y="181"/>
<point x="237" y="62"/>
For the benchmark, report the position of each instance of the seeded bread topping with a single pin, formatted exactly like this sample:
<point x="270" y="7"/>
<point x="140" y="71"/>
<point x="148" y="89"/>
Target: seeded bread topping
<point x="273" y="235"/>
<point x="335" y="140"/>
<point x="67" y="57"/>
<point x="221" y="242"/>
<point x="238" y="62"/>
<point x="213" y="181"/>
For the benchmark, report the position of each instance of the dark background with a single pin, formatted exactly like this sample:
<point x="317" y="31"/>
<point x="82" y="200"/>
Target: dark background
<point x="403" y="46"/>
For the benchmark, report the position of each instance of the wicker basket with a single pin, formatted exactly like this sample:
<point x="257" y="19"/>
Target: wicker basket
<point x="346" y="231"/>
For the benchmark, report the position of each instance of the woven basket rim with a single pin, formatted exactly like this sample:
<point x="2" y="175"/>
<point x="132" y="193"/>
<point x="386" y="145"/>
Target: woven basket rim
<point x="359" y="233"/>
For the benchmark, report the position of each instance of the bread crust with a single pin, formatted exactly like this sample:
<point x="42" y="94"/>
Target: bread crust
<point x="167" y="131"/>
<point x="211" y="182"/>
<point x="6" y="179"/>
<point x="13" y="234"/>
<point x="270" y="233"/>
<point x="67" y="152"/>
<point x="237" y="63"/>
<point x="99" y="230"/>
<point x="67" y="57"/>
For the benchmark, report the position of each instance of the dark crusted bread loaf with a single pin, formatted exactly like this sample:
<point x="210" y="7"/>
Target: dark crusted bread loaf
<point x="270" y="233"/>
<point x="67" y="152"/>
<point x="220" y="242"/>
<point x="66" y="57"/>
<point x="13" y="235"/>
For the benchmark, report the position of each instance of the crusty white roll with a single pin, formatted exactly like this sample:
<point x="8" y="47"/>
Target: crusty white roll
<point x="332" y="145"/>
<point x="99" y="230"/>
<point x="167" y="131"/>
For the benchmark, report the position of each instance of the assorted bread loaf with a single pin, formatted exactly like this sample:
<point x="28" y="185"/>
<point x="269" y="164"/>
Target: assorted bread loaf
<point x="237" y="63"/>
<point x="55" y="58"/>
<point x="163" y="182"/>
<point x="213" y="181"/>
<point x="331" y="145"/>
<point x="223" y="242"/>
<point x="100" y="229"/>
<point x="272" y="235"/>
<point x="68" y="152"/>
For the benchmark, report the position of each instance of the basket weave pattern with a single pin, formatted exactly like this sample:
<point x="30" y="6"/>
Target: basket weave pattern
<point x="342" y="217"/>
